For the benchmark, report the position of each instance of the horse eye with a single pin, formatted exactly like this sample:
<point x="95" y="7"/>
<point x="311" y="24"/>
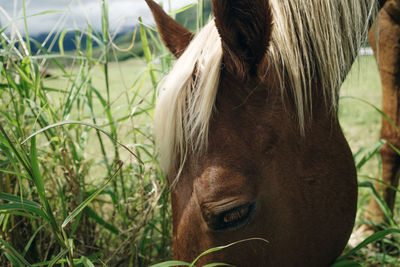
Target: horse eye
<point x="231" y="219"/>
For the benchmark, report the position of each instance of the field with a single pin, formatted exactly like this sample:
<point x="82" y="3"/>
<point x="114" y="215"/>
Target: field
<point x="87" y="190"/>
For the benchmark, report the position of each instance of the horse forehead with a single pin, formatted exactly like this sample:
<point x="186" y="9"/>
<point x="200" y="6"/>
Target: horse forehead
<point x="245" y="104"/>
<point x="218" y="180"/>
<point x="237" y="133"/>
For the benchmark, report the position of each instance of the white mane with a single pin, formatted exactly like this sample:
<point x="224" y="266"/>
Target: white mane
<point x="312" y="40"/>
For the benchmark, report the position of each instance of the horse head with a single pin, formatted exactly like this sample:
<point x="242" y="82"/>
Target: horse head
<point x="247" y="154"/>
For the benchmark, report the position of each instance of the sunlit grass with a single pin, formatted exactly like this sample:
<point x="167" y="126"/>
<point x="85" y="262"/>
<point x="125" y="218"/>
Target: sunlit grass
<point x="72" y="195"/>
<point x="361" y="95"/>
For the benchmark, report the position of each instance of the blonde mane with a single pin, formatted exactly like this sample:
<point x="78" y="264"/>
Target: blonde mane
<point x="312" y="40"/>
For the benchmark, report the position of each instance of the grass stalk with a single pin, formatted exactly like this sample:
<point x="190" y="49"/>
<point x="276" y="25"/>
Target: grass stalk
<point x="28" y="43"/>
<point x="200" y="14"/>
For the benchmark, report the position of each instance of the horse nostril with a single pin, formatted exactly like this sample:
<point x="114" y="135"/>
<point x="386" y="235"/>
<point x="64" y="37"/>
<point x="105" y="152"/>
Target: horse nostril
<point x="230" y="219"/>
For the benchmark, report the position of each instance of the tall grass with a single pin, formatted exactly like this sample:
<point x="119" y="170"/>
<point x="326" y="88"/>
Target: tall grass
<point x="79" y="180"/>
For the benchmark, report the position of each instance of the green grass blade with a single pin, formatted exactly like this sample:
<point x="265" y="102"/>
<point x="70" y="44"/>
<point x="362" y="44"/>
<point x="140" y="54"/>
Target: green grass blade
<point x="346" y="264"/>
<point x="15" y="173"/>
<point x="91" y="197"/>
<point x="20" y="213"/>
<point x="22" y="72"/>
<point x="200" y="14"/>
<point x="58" y="257"/>
<point x="86" y="262"/>
<point x="45" y="13"/>
<point x="217" y="264"/>
<point x="394" y="148"/>
<point x="38" y="179"/>
<point x="85" y="124"/>
<point x="382" y="204"/>
<point x="104" y="20"/>
<point x="76" y="224"/>
<point x="89" y="43"/>
<point x="360" y="161"/>
<point x="28" y="245"/>
<point x="211" y="250"/>
<point x="6" y="141"/>
<point x="12" y="198"/>
<point x="369" y="240"/>
<point x="101" y="222"/>
<point x="358" y="154"/>
<point x="180" y="10"/>
<point x="171" y="264"/>
<point x="13" y="260"/>
<point x="384" y="115"/>
<point x="37" y="176"/>
<point x="381" y="182"/>
<point x="155" y="40"/>
<point x="61" y="41"/>
<point x="15" y="254"/>
<point x="28" y="45"/>
<point x="147" y="52"/>
<point x="23" y="207"/>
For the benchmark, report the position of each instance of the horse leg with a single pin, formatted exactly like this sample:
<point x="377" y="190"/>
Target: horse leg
<point x="386" y="34"/>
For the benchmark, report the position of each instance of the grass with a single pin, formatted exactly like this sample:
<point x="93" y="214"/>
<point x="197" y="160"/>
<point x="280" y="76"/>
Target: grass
<point x="360" y="122"/>
<point x="72" y="195"/>
<point x="361" y="96"/>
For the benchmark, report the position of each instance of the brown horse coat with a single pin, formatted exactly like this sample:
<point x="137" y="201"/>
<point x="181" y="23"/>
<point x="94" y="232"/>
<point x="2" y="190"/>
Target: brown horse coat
<point x="387" y="52"/>
<point x="260" y="174"/>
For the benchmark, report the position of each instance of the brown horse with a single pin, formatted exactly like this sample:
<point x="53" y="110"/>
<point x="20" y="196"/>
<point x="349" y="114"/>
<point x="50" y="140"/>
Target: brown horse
<point x="246" y="124"/>
<point x="387" y="53"/>
<point x="384" y="37"/>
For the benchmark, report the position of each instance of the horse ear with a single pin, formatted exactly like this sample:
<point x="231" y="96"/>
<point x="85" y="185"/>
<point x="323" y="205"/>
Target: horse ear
<point x="175" y="36"/>
<point x="245" y="28"/>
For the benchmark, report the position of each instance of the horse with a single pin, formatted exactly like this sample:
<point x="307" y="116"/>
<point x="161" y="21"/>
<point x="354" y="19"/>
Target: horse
<point x="247" y="129"/>
<point x="384" y="38"/>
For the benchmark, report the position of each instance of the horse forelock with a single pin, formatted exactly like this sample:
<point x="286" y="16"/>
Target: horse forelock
<point x="312" y="40"/>
<point x="186" y="98"/>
